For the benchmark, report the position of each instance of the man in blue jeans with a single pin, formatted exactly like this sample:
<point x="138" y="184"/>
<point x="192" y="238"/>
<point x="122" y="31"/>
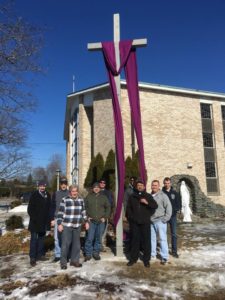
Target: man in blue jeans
<point x="176" y="207"/>
<point x="159" y="222"/>
<point x="56" y="200"/>
<point x="98" y="211"/>
<point x="109" y="195"/>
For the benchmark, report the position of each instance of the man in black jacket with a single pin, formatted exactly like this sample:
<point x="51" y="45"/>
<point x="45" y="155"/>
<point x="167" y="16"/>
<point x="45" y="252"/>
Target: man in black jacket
<point x="39" y="212"/>
<point x="140" y="207"/>
<point x="176" y="206"/>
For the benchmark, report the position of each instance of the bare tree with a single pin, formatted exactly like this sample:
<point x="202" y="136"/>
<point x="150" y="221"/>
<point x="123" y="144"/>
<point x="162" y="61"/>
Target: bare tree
<point x="56" y="163"/>
<point x="13" y="163"/>
<point x="39" y="173"/>
<point x="20" y="45"/>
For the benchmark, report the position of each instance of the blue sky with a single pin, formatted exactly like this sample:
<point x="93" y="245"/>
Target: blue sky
<point x="186" y="48"/>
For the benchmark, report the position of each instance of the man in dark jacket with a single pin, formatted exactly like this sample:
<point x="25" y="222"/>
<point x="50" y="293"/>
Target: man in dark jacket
<point x="176" y="207"/>
<point x="98" y="210"/>
<point x="39" y="212"/>
<point x="56" y="199"/>
<point x="140" y="207"/>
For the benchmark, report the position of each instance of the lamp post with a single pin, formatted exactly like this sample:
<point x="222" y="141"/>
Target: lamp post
<point x="57" y="177"/>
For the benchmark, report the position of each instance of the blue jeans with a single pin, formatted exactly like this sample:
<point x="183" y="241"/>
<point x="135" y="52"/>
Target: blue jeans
<point x="57" y="249"/>
<point x="173" y="229"/>
<point x="159" y="229"/>
<point x="103" y="234"/>
<point x="94" y="238"/>
<point x="37" y="249"/>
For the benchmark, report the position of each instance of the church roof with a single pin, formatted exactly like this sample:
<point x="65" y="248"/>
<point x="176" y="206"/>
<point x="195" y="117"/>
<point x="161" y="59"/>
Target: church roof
<point x="154" y="86"/>
<point x="142" y="85"/>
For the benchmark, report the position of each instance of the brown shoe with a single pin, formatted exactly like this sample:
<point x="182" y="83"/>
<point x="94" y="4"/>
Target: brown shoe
<point x="76" y="264"/>
<point x="87" y="258"/>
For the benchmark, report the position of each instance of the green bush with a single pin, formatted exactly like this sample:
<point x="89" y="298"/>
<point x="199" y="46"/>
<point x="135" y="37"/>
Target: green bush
<point x="95" y="170"/>
<point x="49" y="242"/>
<point x="4" y="191"/>
<point x="15" y="203"/>
<point x="109" y="170"/>
<point x="14" y="222"/>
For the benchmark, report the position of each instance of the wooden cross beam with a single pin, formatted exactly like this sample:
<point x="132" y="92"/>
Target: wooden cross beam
<point x="98" y="46"/>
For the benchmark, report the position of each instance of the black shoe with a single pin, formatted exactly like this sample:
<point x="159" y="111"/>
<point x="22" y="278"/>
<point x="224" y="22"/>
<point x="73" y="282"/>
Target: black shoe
<point x="96" y="256"/>
<point x="163" y="261"/>
<point x="56" y="259"/>
<point x="33" y="262"/>
<point x="63" y="267"/>
<point x="87" y="258"/>
<point x="174" y="254"/>
<point x="130" y="263"/>
<point x="147" y="264"/>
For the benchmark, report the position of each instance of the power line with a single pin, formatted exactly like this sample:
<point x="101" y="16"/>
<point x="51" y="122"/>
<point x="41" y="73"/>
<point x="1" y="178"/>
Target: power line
<point x="45" y="143"/>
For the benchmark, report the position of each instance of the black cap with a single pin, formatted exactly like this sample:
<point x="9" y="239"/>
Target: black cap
<point x="63" y="180"/>
<point x="139" y="180"/>
<point x="102" y="180"/>
<point x="42" y="183"/>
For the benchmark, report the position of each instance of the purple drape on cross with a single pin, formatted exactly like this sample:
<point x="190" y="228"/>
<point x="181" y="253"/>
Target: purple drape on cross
<point x="128" y="61"/>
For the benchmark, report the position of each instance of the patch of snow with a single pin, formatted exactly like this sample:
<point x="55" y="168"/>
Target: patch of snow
<point x="19" y="209"/>
<point x="200" y="270"/>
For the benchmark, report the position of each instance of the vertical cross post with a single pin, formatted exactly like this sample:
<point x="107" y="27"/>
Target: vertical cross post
<point x="116" y="39"/>
<point x="98" y="46"/>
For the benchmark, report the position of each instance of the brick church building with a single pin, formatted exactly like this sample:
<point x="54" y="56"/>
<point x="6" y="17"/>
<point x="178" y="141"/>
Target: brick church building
<point x="183" y="134"/>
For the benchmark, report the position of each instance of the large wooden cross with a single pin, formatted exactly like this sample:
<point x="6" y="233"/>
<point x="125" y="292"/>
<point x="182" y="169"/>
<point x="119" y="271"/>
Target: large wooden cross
<point x="98" y="46"/>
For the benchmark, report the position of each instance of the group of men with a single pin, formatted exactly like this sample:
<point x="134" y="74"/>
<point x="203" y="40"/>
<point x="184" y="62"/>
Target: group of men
<point x="67" y="212"/>
<point x="148" y="216"/>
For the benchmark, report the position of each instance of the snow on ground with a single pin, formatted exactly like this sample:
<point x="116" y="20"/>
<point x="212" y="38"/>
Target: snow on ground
<point x="20" y="210"/>
<point x="199" y="272"/>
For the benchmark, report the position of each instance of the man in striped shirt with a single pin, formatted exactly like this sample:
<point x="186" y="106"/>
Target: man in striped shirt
<point x="71" y="216"/>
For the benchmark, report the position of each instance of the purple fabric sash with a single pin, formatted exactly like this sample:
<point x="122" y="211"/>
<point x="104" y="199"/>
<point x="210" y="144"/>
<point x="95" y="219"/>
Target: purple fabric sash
<point x="128" y="61"/>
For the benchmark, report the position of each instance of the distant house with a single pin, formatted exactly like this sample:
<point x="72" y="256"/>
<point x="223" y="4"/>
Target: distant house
<point x="183" y="133"/>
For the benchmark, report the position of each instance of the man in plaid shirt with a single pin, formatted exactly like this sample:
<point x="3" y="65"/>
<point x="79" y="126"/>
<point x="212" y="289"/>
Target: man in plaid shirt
<point x="71" y="216"/>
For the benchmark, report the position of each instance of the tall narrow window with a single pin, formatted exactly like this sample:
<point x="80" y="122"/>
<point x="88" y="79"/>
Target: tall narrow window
<point x="223" y="120"/>
<point x="209" y="148"/>
<point x="75" y="147"/>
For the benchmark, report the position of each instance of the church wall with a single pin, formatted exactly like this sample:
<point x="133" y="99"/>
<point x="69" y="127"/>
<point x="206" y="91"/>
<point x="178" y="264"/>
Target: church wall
<point x="84" y="144"/>
<point x="104" y="133"/>
<point x="172" y="135"/>
<point x="126" y="116"/>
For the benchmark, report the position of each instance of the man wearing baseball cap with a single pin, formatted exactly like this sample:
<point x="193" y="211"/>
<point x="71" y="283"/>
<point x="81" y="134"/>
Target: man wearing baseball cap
<point x="98" y="210"/>
<point x="56" y="199"/>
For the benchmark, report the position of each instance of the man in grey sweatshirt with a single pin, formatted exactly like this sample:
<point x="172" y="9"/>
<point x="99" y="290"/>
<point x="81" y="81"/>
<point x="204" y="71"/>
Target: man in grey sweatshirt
<point x="56" y="199"/>
<point x="159" y="222"/>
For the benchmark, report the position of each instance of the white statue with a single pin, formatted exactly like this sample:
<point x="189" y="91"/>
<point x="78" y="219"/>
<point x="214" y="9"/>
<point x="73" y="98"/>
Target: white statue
<point x="185" y="198"/>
